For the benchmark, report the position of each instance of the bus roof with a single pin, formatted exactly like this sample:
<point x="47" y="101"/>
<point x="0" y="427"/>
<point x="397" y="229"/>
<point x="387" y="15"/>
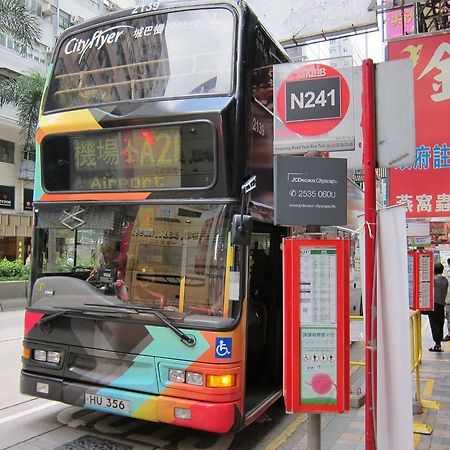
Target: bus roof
<point x="239" y="5"/>
<point x="137" y="10"/>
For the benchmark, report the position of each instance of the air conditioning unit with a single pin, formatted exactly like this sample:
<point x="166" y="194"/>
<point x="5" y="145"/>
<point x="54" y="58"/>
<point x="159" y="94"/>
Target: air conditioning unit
<point x="74" y="19"/>
<point x="48" y="50"/>
<point x="48" y="10"/>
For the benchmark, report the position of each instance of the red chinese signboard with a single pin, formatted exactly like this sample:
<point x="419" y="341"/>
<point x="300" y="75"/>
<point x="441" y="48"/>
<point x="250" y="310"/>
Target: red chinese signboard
<point x="425" y="187"/>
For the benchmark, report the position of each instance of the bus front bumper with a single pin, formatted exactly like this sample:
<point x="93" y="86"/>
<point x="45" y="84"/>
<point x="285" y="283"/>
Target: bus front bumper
<point x="212" y="417"/>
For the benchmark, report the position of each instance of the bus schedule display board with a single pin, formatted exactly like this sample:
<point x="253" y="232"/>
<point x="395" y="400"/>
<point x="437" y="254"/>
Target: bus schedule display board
<point x="317" y="325"/>
<point x="421" y="280"/>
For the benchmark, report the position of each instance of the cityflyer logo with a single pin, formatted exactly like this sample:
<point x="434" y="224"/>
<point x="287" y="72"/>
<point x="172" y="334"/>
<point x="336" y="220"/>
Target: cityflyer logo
<point x="97" y="41"/>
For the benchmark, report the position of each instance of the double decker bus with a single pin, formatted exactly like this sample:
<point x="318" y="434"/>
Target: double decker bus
<point x="145" y="300"/>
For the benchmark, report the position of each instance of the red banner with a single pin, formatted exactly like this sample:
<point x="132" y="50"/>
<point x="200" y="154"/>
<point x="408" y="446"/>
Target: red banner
<point x="425" y="186"/>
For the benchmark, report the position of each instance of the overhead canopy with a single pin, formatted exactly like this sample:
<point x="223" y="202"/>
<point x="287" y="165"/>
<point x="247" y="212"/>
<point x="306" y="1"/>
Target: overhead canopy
<point x="298" y="21"/>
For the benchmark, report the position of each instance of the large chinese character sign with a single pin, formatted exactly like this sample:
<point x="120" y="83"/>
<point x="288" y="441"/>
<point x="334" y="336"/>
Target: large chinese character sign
<point x="424" y="187"/>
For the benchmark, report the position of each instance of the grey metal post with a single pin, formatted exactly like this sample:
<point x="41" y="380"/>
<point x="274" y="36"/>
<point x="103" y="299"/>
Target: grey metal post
<point x="313" y="431"/>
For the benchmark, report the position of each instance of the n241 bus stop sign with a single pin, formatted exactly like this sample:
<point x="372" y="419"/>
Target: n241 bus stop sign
<point x="313" y="108"/>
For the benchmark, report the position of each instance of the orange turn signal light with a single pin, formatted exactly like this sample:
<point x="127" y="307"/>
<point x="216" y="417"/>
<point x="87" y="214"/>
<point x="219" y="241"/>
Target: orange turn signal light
<point x="220" y="381"/>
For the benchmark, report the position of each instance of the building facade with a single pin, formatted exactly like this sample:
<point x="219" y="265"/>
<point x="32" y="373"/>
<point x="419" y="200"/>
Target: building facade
<point x="16" y="165"/>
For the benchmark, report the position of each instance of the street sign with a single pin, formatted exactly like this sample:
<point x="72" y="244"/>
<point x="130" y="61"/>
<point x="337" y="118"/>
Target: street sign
<point x="395" y="130"/>
<point x="313" y="108"/>
<point x="313" y="99"/>
<point x="310" y="191"/>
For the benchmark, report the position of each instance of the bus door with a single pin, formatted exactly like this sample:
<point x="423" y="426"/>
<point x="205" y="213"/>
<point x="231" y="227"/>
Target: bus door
<point x="264" y="316"/>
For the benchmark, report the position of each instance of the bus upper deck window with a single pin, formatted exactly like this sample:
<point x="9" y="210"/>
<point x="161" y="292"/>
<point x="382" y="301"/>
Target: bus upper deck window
<point x="167" y="54"/>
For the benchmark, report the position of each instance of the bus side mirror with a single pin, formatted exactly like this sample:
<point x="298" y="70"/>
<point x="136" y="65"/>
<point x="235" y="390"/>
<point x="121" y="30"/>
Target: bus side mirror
<point x="241" y="229"/>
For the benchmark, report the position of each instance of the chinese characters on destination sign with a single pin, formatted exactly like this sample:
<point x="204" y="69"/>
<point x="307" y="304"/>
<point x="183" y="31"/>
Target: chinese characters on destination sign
<point x="111" y="35"/>
<point x="136" y="159"/>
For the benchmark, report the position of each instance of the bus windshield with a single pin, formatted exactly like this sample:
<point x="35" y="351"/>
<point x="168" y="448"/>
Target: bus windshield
<point x="173" y="54"/>
<point x="171" y="257"/>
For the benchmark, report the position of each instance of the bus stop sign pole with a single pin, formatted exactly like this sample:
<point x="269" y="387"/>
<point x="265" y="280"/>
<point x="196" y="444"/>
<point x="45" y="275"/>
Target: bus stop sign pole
<point x="369" y="160"/>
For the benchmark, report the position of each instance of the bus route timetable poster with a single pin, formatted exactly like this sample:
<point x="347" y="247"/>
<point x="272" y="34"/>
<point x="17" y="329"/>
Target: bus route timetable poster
<point x="318" y="325"/>
<point x="426" y="267"/>
<point x="316" y="321"/>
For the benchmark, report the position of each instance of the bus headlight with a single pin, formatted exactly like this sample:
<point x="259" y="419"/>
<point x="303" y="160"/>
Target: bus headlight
<point x="47" y="356"/>
<point x="182" y="376"/>
<point x="178" y="376"/>
<point x="53" y="357"/>
<point x="40" y="355"/>
<point x="194" y="378"/>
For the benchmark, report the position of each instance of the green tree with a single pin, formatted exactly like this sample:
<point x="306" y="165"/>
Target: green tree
<point x="25" y="93"/>
<point x="19" y="22"/>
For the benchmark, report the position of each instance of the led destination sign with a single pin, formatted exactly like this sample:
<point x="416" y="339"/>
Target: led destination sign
<point x="139" y="159"/>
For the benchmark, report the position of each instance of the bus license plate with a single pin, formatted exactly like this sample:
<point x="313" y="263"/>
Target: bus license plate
<point x="101" y="401"/>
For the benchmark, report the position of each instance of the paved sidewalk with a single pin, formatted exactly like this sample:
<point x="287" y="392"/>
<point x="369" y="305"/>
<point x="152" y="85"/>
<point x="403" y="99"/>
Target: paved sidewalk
<point x="339" y="432"/>
<point x="435" y="386"/>
<point x="12" y="304"/>
<point x="347" y="431"/>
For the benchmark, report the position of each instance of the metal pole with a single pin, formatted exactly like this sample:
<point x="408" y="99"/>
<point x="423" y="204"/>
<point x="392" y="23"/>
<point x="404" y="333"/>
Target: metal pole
<point x="369" y="152"/>
<point x="313" y="431"/>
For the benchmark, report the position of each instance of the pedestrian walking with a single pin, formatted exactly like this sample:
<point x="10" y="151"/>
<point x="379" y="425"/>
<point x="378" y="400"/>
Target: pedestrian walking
<point x="437" y="316"/>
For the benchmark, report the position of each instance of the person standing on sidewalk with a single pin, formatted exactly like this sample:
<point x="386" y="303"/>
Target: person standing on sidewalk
<point x="437" y="316"/>
<point x="447" y="303"/>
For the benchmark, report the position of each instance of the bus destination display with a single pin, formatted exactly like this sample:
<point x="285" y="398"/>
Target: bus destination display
<point x="131" y="160"/>
<point x="136" y="159"/>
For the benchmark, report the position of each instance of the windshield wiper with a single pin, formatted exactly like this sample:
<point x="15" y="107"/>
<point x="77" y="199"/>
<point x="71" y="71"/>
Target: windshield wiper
<point x="63" y="311"/>
<point x="189" y="340"/>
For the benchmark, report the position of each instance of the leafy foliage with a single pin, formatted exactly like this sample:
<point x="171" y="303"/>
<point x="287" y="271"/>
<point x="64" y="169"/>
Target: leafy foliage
<point x="25" y="93"/>
<point x="13" y="270"/>
<point x="19" y="22"/>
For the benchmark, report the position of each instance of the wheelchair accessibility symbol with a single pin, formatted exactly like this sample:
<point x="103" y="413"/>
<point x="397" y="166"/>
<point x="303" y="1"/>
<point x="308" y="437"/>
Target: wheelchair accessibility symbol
<point x="223" y="347"/>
